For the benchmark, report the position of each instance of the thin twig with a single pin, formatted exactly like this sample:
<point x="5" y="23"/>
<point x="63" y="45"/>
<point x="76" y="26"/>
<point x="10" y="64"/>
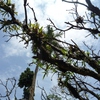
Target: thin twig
<point x="33" y="13"/>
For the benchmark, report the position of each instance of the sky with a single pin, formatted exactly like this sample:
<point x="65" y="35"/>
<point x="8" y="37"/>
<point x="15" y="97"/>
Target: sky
<point x="14" y="57"/>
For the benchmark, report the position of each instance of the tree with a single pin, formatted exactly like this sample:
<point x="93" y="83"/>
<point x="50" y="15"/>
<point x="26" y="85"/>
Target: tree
<point x="25" y="82"/>
<point x="72" y="64"/>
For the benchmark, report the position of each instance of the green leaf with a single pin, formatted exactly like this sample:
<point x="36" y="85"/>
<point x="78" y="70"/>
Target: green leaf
<point x="64" y="51"/>
<point x="87" y="53"/>
<point x="93" y="14"/>
<point x="8" y="2"/>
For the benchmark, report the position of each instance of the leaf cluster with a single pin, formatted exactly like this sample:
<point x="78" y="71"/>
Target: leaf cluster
<point x="25" y="79"/>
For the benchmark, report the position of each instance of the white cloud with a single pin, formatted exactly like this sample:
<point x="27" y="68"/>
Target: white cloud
<point x="16" y="48"/>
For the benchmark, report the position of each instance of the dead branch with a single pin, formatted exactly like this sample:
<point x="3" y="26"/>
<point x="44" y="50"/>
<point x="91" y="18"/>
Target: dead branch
<point x="8" y="90"/>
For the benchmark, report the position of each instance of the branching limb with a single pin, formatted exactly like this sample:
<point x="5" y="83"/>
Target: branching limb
<point x="33" y="13"/>
<point x="92" y="8"/>
<point x="84" y="87"/>
<point x="75" y="2"/>
<point x="8" y="91"/>
<point x="44" y="95"/>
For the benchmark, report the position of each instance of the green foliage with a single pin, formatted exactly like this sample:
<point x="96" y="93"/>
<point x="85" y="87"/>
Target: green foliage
<point x="63" y="78"/>
<point x="26" y="93"/>
<point x="50" y="35"/>
<point x="54" y="97"/>
<point x="98" y="62"/>
<point x="87" y="53"/>
<point x="8" y="2"/>
<point x="93" y="15"/>
<point x="7" y="10"/>
<point x="11" y="28"/>
<point x="25" y="79"/>
<point x="7" y="7"/>
<point x="35" y="28"/>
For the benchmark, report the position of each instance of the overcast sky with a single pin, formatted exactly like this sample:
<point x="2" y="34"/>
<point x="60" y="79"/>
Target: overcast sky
<point x="14" y="57"/>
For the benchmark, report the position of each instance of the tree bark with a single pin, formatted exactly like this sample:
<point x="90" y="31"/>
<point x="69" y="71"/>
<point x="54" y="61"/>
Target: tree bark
<point x="32" y="88"/>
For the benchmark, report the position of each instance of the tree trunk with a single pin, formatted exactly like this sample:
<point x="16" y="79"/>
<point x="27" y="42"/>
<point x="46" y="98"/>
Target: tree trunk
<point x="32" y="88"/>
